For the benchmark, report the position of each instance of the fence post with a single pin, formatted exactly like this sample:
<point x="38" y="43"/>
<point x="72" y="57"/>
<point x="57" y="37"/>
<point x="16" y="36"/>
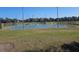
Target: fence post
<point x="1" y="25"/>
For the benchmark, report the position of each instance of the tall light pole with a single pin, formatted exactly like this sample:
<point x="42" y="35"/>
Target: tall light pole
<point x="57" y="18"/>
<point x="23" y="16"/>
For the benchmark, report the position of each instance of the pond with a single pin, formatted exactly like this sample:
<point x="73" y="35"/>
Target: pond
<point x="34" y="26"/>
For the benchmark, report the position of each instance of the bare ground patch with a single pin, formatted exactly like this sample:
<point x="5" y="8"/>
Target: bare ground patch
<point x="6" y="47"/>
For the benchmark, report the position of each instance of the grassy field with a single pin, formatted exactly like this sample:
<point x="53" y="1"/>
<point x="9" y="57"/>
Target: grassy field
<point x="35" y="39"/>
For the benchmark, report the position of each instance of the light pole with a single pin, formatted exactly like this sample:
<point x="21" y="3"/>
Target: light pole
<point x="23" y="16"/>
<point x="57" y="18"/>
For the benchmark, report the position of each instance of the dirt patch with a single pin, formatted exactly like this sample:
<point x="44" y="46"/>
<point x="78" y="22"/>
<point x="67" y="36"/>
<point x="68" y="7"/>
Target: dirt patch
<point x="6" y="47"/>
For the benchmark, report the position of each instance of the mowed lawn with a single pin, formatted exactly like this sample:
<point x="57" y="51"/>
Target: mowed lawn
<point x="35" y="39"/>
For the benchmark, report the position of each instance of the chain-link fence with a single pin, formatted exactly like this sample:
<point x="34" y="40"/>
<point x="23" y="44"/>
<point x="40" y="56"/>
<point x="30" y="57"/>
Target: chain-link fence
<point x="19" y="20"/>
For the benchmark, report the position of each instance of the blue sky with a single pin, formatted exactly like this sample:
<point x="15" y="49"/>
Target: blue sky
<point x="16" y="12"/>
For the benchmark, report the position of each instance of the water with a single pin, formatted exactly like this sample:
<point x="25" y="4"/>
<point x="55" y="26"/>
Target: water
<point x="34" y="26"/>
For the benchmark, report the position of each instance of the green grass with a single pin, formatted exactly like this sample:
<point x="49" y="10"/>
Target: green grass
<point x="25" y="40"/>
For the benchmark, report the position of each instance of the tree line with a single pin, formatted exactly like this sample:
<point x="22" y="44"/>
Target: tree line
<point x="10" y="20"/>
